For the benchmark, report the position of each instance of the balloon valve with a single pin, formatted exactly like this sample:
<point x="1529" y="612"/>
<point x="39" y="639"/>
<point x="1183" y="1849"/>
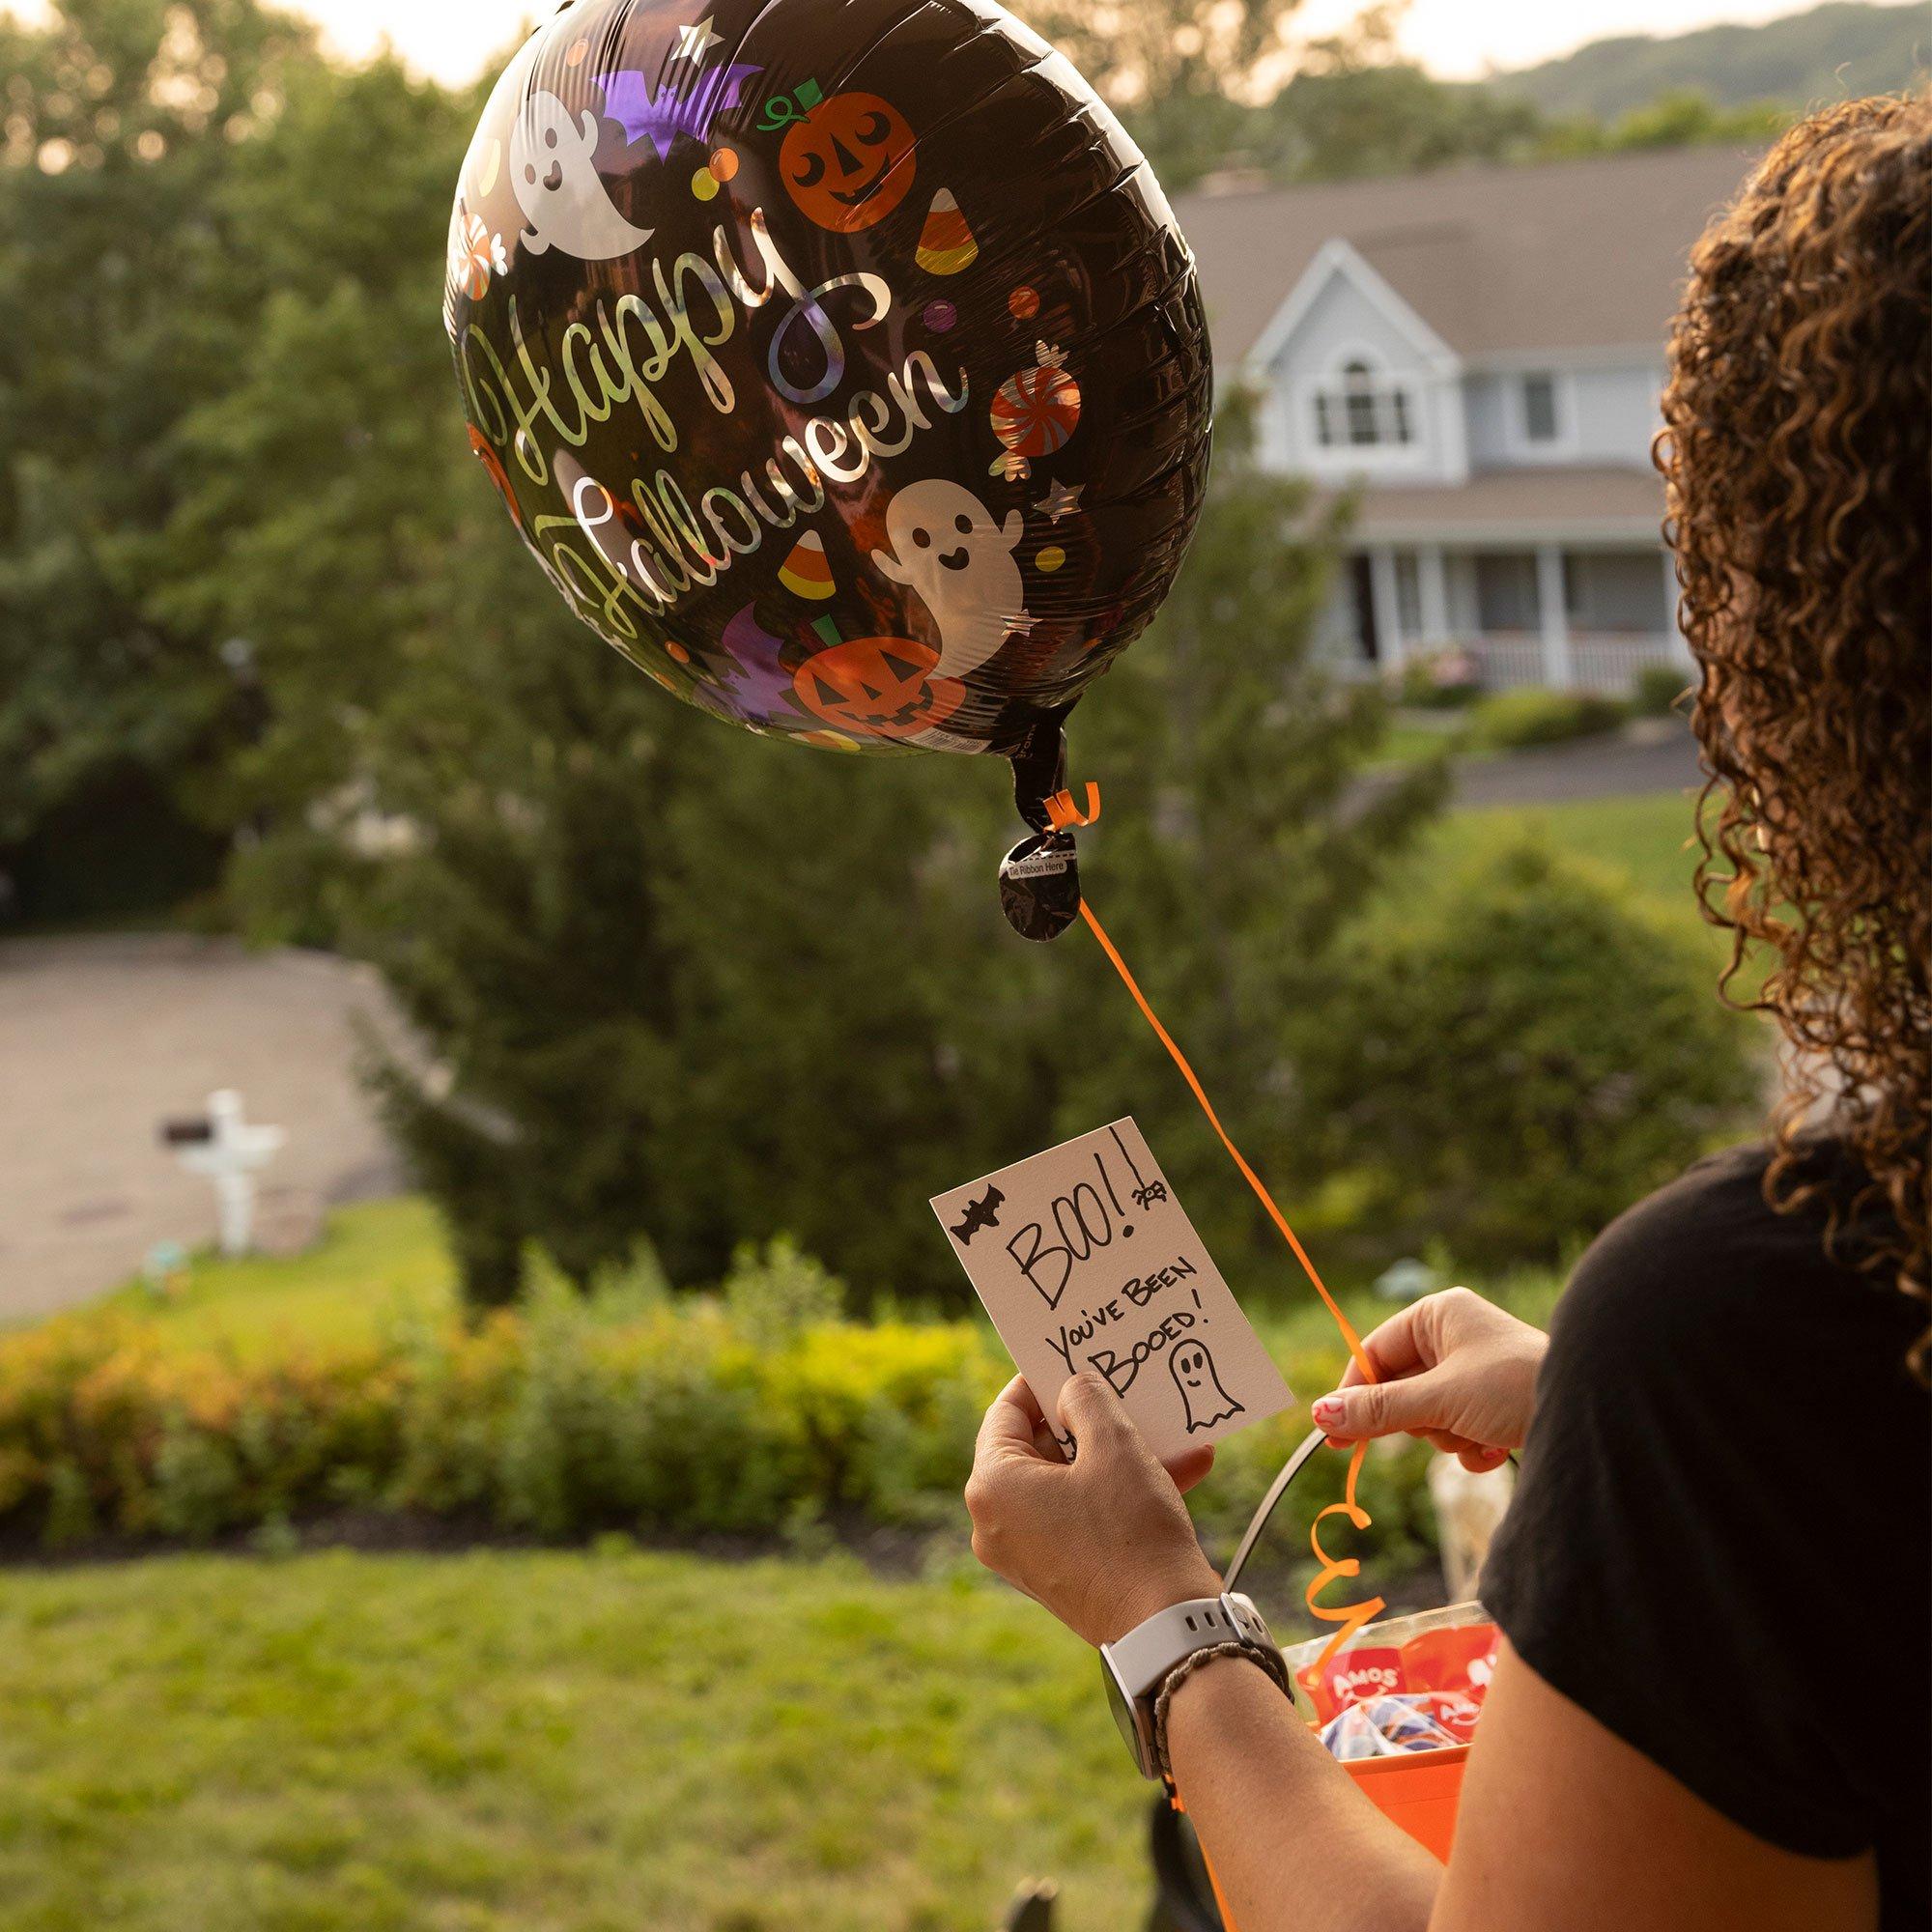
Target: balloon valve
<point x="1039" y="878"/>
<point x="1039" y="886"/>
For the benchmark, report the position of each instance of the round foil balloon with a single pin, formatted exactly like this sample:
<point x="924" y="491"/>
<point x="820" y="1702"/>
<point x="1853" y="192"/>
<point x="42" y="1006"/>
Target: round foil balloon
<point x="842" y="365"/>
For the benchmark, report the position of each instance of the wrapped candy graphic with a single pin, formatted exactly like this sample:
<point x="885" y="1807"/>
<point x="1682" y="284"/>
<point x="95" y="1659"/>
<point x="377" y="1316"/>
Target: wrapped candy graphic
<point x="1034" y="413"/>
<point x="475" y="254"/>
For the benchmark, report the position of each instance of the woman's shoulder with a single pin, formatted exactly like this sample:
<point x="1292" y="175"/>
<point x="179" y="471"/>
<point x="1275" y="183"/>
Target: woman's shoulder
<point x="1709" y="1263"/>
<point x="1718" y="1390"/>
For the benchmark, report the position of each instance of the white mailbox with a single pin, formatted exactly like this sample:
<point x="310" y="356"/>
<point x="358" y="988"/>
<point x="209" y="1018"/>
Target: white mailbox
<point x="224" y="1146"/>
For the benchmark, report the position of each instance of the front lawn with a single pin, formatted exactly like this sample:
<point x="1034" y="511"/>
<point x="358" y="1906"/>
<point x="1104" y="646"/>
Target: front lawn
<point x="550" y="1742"/>
<point x="379" y="1265"/>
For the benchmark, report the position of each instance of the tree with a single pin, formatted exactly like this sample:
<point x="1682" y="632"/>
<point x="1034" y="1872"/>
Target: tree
<point x="122" y="301"/>
<point x="1515" y="1059"/>
<point x="1355" y="107"/>
<point x="1183" y="72"/>
<point x="316" y="486"/>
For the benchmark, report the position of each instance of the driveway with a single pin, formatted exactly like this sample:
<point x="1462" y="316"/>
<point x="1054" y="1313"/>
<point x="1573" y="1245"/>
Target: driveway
<point x="102" y="1037"/>
<point x="1646" y="759"/>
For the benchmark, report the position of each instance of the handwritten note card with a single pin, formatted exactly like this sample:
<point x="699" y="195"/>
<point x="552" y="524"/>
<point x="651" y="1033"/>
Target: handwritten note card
<point x="1085" y="1260"/>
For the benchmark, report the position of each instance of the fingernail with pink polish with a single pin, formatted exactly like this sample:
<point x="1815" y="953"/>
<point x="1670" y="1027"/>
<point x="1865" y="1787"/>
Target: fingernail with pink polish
<point x="1328" y="1410"/>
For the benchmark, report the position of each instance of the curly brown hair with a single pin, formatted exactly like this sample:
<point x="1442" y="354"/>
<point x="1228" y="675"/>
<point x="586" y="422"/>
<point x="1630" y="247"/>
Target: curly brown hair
<point x="1797" y="448"/>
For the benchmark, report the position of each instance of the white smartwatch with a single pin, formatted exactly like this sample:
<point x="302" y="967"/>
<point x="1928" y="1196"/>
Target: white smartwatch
<point x="1138" y="1665"/>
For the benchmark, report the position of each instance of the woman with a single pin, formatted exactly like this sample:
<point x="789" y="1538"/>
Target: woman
<point x="1711" y="1706"/>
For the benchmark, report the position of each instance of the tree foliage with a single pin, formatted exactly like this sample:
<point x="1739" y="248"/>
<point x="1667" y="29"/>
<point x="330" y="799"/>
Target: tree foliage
<point x="1518" y="1059"/>
<point x="124" y="291"/>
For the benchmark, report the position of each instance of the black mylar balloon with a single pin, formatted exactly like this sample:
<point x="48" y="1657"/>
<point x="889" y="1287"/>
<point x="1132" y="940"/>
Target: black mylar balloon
<point x="840" y="361"/>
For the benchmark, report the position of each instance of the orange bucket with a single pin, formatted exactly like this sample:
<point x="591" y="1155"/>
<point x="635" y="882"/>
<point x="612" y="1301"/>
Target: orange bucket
<point x="1418" y="1791"/>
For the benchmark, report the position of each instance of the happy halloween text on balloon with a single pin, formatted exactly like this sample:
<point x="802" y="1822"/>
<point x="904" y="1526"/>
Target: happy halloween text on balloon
<point x="623" y="360"/>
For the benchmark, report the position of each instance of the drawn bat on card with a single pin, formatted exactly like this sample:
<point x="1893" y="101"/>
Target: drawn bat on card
<point x="984" y="1212"/>
<point x="666" y="111"/>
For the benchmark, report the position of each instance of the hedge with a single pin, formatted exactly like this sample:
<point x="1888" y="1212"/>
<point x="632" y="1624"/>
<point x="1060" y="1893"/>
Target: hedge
<point x="560" y="1423"/>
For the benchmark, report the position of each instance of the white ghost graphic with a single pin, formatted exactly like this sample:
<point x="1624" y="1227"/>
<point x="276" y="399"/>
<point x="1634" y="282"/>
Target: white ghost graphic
<point x="947" y="549"/>
<point x="1202" y="1395"/>
<point x="554" y="173"/>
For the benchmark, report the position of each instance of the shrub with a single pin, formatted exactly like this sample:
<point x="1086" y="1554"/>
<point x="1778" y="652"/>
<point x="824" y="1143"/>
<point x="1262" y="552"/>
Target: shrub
<point x="1518" y="1060"/>
<point x="748" y="1413"/>
<point x="1513" y="720"/>
<point x="1443" y="680"/>
<point x="776" y="1293"/>
<point x="1659" y="689"/>
<point x="565" y="1422"/>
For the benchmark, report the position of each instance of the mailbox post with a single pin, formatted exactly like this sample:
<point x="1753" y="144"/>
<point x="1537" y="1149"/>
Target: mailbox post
<point x="225" y="1148"/>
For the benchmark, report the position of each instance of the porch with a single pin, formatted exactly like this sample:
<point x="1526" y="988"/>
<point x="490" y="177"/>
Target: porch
<point x="1567" y="615"/>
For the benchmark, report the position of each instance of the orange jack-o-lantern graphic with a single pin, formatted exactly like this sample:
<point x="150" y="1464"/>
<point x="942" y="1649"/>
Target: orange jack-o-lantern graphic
<point x="878" y="688"/>
<point x="849" y="163"/>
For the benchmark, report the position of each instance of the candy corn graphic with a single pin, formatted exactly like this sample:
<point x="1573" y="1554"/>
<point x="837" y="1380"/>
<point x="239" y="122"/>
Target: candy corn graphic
<point x="808" y="572"/>
<point x="946" y="243"/>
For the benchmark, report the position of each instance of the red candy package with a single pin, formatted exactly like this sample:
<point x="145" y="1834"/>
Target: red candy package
<point x="1353" y="1677"/>
<point x="1455" y="1665"/>
<point x="1438" y="1663"/>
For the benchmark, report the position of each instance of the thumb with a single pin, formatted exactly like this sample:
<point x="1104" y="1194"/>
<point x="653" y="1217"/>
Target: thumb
<point x="1379" y="1409"/>
<point x="1095" y="1416"/>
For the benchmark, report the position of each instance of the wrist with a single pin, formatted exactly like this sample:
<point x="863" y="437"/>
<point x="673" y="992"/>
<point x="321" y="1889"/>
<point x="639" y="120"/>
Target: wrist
<point x="1147" y="1596"/>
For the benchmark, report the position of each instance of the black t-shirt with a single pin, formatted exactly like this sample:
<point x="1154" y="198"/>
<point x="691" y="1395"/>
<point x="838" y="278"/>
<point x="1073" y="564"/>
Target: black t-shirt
<point x="1721" y="1544"/>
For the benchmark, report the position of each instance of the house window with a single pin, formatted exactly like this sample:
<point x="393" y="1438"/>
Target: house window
<point x="1359" y="409"/>
<point x="1539" y="424"/>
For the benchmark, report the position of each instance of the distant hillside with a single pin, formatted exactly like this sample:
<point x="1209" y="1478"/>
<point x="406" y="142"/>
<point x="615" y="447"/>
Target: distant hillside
<point x="1832" y="52"/>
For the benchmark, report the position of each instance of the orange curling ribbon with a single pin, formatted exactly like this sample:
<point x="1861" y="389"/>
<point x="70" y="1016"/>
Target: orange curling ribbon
<point x="1063" y="814"/>
<point x="1350" y="1617"/>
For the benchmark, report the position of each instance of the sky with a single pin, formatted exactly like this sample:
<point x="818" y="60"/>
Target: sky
<point x="1454" y="39"/>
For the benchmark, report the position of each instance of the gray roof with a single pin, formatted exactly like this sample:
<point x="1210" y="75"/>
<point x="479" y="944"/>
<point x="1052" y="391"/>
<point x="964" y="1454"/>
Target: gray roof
<point x="1525" y="504"/>
<point x="1587" y="254"/>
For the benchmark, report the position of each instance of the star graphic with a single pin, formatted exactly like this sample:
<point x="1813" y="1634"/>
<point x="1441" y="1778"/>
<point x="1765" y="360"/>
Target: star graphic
<point x="1060" y="501"/>
<point x="1020" y="626"/>
<point x="694" y="43"/>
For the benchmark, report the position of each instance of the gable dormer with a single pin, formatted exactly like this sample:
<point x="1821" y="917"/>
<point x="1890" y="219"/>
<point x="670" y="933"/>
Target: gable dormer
<point x="1354" y="382"/>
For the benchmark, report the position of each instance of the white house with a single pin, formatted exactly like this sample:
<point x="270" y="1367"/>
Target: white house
<point x="1477" y="354"/>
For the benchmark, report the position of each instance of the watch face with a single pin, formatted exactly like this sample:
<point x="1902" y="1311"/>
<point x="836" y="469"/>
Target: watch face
<point x="1123" y="1710"/>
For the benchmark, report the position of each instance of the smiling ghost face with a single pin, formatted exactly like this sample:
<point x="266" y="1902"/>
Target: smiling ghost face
<point x="947" y="549"/>
<point x="849" y="163"/>
<point x="554" y="174"/>
<point x="1203" y="1399"/>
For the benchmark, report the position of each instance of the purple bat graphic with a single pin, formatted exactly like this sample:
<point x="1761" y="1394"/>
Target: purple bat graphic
<point x="662" y="113"/>
<point x="751" y="686"/>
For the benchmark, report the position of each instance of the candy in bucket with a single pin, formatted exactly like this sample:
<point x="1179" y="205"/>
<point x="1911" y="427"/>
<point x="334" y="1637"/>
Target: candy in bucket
<point x="1411" y="1684"/>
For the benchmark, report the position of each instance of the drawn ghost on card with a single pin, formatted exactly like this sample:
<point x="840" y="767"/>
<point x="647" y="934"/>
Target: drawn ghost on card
<point x="554" y="174"/>
<point x="1203" y="1398"/>
<point x="949" y="551"/>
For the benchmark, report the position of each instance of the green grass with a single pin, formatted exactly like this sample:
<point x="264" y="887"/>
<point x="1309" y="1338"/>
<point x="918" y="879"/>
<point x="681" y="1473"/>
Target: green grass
<point x="1647" y="840"/>
<point x="378" y="1265"/>
<point x="574" y="1742"/>
<point x="1406" y="743"/>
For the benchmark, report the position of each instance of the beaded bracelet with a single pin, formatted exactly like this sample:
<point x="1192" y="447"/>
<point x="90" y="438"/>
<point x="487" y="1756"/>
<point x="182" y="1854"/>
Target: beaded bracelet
<point x="1182" y="1672"/>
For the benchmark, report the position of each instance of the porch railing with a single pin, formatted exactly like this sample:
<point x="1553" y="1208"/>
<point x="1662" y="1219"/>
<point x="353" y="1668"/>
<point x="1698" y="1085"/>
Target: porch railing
<point x="1606" y="661"/>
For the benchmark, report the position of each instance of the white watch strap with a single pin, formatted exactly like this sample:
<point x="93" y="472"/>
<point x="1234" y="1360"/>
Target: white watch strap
<point x="1148" y="1653"/>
